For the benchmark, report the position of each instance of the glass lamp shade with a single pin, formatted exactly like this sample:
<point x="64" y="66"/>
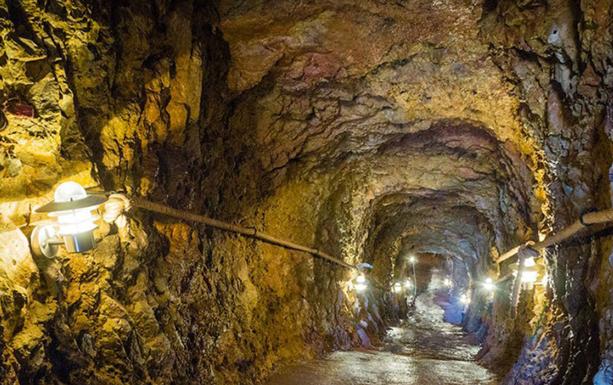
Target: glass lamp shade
<point x="529" y="262"/>
<point x="75" y="221"/>
<point x="360" y="287"/>
<point x="397" y="288"/>
<point x="69" y="192"/>
<point x="529" y="276"/>
<point x="77" y="227"/>
<point x="529" y="273"/>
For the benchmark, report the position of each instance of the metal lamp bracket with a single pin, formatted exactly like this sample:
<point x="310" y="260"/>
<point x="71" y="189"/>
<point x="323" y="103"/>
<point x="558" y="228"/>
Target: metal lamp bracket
<point x="45" y="241"/>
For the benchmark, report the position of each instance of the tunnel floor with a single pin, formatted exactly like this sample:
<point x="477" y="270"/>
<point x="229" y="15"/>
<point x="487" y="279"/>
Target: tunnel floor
<point x="423" y="350"/>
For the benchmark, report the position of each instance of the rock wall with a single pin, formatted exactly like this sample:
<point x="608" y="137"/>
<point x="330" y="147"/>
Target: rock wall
<point x="371" y="130"/>
<point x="559" y="55"/>
<point x="133" y="97"/>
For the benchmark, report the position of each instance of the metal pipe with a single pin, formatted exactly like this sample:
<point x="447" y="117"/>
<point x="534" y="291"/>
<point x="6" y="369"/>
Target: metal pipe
<point x="248" y="232"/>
<point x="503" y="279"/>
<point x="414" y="280"/>
<point x="532" y="248"/>
<point x="597" y="217"/>
<point x="517" y="284"/>
<point x="414" y="284"/>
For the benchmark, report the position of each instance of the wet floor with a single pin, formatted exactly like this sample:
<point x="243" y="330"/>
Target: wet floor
<point x="424" y="350"/>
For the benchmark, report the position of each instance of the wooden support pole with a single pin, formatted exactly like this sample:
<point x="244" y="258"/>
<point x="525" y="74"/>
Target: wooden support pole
<point x="248" y="232"/>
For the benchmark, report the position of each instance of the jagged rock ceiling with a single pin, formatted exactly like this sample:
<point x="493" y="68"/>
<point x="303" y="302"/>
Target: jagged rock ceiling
<point x="404" y="105"/>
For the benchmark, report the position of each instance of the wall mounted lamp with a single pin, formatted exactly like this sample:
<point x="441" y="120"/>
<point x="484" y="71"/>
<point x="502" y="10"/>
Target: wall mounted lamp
<point x="73" y="224"/>
<point x="529" y="273"/>
<point x="360" y="284"/>
<point x="489" y="285"/>
<point x="397" y="288"/>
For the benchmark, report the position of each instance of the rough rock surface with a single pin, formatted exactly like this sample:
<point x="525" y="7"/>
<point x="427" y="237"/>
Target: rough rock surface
<point x="452" y="130"/>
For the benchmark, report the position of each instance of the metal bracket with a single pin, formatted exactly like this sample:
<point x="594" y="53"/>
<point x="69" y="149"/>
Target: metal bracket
<point x="45" y="241"/>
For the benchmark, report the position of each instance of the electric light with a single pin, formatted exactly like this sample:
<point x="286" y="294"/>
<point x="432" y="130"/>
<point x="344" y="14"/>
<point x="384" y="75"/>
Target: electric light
<point x="529" y="262"/>
<point x="464" y="299"/>
<point x="412" y="259"/>
<point x="360" y="284"/>
<point x="74" y="222"/>
<point x="360" y="287"/>
<point x="529" y="276"/>
<point x="489" y="284"/>
<point x="408" y="284"/>
<point x="529" y="273"/>
<point x="397" y="288"/>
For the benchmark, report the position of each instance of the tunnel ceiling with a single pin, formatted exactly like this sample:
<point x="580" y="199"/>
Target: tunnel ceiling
<point x="410" y="111"/>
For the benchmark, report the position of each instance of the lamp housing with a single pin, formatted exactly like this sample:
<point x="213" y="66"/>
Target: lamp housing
<point x="529" y="276"/>
<point x="360" y="287"/>
<point x="530" y="272"/>
<point x="74" y="222"/>
<point x="397" y="288"/>
<point x="359" y="284"/>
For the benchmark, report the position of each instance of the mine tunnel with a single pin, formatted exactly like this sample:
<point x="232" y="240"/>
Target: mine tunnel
<point x="323" y="192"/>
